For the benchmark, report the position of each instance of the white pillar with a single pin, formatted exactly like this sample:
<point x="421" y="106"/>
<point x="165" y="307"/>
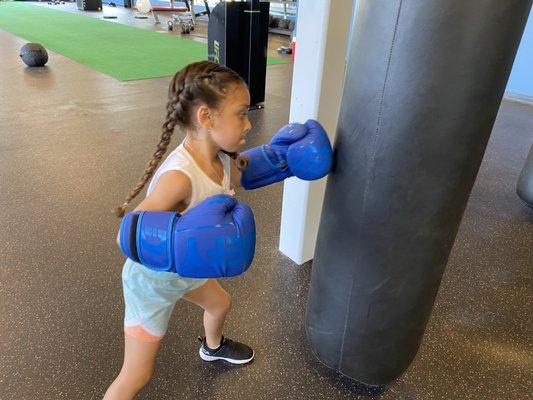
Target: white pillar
<point x="318" y="76"/>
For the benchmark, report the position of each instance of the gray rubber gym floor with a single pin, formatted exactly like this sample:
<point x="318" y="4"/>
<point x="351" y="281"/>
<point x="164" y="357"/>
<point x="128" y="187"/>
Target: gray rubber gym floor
<point x="72" y="144"/>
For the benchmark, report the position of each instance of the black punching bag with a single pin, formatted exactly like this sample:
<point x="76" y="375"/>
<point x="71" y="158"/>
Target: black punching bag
<point x="423" y="85"/>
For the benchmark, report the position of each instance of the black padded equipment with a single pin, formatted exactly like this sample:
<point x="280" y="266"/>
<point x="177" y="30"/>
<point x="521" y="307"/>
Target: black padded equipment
<point x="524" y="187"/>
<point x="423" y="85"/>
<point x="33" y="55"/>
<point x="237" y="37"/>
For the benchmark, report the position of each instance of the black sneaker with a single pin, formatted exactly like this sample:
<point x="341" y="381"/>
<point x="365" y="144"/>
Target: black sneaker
<point x="230" y="351"/>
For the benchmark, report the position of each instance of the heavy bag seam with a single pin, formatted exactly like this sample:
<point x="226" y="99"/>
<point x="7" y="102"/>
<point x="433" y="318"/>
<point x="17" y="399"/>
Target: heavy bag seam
<point x="372" y="158"/>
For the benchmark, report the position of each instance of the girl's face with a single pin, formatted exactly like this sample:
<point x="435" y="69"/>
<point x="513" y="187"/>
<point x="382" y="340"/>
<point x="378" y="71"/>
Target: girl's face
<point x="230" y="122"/>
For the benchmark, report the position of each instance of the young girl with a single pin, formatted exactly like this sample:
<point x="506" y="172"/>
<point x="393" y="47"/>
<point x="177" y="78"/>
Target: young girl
<point x="210" y="104"/>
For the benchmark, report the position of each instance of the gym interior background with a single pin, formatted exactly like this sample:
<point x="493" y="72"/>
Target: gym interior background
<point x="76" y="133"/>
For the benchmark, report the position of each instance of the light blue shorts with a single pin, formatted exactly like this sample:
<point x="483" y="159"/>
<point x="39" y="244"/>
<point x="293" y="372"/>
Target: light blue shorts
<point x="150" y="297"/>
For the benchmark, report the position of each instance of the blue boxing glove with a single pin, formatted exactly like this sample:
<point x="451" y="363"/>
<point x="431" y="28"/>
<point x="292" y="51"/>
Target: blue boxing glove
<point x="212" y="240"/>
<point x="301" y="150"/>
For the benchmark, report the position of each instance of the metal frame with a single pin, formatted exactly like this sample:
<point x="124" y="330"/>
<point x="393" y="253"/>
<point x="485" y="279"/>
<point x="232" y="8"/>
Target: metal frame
<point x="189" y="5"/>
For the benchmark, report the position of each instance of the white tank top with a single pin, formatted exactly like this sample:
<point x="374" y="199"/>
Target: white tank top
<point x="202" y="185"/>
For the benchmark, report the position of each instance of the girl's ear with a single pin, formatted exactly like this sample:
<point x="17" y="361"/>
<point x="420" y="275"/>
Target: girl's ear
<point x="204" y="116"/>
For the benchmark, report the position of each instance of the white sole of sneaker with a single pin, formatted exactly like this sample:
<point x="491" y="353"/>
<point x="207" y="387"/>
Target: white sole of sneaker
<point x="209" y="358"/>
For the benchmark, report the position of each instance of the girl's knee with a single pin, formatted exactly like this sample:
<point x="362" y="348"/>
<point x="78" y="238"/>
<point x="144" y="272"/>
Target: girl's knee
<point x="139" y="361"/>
<point x="222" y="307"/>
<point x="136" y="376"/>
<point x="227" y="303"/>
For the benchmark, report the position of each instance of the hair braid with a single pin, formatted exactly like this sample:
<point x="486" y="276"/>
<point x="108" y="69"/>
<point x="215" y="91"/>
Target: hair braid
<point x="173" y="110"/>
<point x="241" y="161"/>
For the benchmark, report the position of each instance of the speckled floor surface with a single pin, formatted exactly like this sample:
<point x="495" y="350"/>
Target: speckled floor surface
<point x="74" y="141"/>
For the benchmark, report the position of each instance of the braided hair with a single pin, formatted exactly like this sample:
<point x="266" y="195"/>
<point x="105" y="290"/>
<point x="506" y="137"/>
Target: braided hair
<point x="198" y="83"/>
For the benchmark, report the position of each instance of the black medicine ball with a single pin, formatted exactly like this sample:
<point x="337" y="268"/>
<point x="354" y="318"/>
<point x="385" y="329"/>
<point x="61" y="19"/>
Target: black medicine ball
<point x="33" y="55"/>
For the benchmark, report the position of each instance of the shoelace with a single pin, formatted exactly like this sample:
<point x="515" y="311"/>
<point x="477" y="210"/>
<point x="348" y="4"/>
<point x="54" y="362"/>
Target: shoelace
<point x="229" y="343"/>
